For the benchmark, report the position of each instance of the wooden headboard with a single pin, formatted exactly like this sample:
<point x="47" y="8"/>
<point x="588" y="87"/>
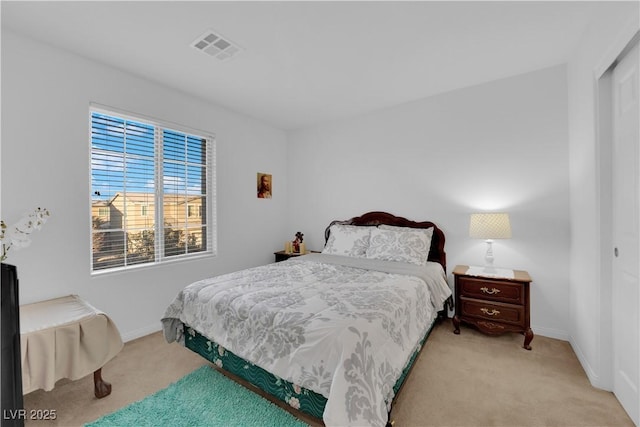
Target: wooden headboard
<point x="436" y="253"/>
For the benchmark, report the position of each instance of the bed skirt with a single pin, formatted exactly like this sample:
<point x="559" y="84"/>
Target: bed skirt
<point x="297" y="397"/>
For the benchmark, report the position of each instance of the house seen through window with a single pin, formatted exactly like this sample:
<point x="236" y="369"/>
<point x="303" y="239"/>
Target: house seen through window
<point x="152" y="191"/>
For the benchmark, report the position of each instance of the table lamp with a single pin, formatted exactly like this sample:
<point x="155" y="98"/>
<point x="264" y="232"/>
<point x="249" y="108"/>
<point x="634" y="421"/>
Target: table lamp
<point x="489" y="226"/>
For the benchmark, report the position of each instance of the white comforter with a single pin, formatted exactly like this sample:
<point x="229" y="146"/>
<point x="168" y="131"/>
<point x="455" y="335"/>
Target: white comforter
<point x="340" y="326"/>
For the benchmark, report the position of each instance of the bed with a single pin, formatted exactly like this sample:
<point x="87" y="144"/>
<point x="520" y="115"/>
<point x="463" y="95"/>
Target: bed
<point x="333" y="334"/>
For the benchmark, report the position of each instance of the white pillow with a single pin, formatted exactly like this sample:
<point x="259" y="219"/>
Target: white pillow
<point x="403" y="244"/>
<point x="428" y="232"/>
<point x="347" y="240"/>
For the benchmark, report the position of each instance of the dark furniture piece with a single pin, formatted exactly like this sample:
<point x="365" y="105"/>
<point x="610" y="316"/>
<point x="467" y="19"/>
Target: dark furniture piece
<point x="283" y="256"/>
<point x="12" y="403"/>
<point x="493" y="305"/>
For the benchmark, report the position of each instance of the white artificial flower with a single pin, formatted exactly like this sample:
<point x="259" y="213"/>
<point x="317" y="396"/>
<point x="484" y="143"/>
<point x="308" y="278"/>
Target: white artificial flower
<point x="40" y="218"/>
<point x="18" y="238"/>
<point x="18" y="234"/>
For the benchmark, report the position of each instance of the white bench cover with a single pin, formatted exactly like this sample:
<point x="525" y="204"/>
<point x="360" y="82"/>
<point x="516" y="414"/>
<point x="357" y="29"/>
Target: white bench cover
<point x="64" y="338"/>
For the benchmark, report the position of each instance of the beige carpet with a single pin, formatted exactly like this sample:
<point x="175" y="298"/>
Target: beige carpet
<point x="459" y="380"/>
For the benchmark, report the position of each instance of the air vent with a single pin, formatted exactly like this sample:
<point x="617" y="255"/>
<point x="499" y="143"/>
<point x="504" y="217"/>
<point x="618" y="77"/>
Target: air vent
<point x="214" y="44"/>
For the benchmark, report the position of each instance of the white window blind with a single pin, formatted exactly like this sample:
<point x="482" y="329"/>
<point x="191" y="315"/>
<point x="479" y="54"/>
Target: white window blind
<point x="147" y="179"/>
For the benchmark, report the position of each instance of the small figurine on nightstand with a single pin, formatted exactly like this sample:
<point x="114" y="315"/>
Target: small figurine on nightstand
<point x="297" y="242"/>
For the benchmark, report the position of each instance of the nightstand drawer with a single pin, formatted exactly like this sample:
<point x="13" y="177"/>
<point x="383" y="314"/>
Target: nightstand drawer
<point x="494" y="290"/>
<point x="505" y="313"/>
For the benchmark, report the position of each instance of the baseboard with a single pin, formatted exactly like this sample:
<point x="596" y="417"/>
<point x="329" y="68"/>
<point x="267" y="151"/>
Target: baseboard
<point x="594" y="379"/>
<point x="550" y="333"/>
<point x="138" y="333"/>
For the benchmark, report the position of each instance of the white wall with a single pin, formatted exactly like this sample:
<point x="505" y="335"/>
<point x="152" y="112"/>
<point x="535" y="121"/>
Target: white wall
<point x="45" y="162"/>
<point x="501" y="146"/>
<point x="590" y="303"/>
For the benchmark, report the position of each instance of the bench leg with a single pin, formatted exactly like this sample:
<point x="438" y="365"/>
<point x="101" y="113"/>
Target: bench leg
<point x="101" y="387"/>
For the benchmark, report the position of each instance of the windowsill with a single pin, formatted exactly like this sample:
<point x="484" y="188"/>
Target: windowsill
<point x="138" y="267"/>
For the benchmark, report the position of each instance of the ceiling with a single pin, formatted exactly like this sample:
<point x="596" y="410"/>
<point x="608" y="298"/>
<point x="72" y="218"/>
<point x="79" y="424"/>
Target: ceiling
<point x="310" y="62"/>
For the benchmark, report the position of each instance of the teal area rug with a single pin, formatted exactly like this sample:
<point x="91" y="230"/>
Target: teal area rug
<point x="204" y="397"/>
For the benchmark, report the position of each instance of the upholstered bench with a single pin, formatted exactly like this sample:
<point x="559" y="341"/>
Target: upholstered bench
<point x="65" y="338"/>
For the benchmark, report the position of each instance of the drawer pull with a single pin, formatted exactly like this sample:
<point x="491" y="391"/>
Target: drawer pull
<point x="490" y="292"/>
<point x="493" y="312"/>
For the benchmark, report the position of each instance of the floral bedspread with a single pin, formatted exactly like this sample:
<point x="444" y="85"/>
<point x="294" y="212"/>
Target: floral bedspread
<point x="340" y="326"/>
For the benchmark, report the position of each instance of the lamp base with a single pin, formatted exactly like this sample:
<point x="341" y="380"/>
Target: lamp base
<point x="488" y="256"/>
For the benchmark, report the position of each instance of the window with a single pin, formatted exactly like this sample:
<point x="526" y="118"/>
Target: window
<point x="143" y="170"/>
<point x="194" y="211"/>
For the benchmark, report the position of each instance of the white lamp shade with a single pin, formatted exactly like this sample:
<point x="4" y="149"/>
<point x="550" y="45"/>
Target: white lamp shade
<point x="490" y="226"/>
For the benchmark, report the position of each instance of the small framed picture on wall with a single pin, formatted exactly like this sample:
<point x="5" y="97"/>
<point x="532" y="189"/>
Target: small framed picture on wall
<point x="264" y="185"/>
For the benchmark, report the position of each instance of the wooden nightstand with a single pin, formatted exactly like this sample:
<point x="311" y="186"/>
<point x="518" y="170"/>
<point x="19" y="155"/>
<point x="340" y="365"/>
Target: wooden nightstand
<point x="493" y="305"/>
<point x="282" y="255"/>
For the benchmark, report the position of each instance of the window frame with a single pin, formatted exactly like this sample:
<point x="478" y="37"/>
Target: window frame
<point x="209" y="214"/>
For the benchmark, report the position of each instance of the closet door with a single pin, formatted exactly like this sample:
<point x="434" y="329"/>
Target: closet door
<point x="626" y="233"/>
